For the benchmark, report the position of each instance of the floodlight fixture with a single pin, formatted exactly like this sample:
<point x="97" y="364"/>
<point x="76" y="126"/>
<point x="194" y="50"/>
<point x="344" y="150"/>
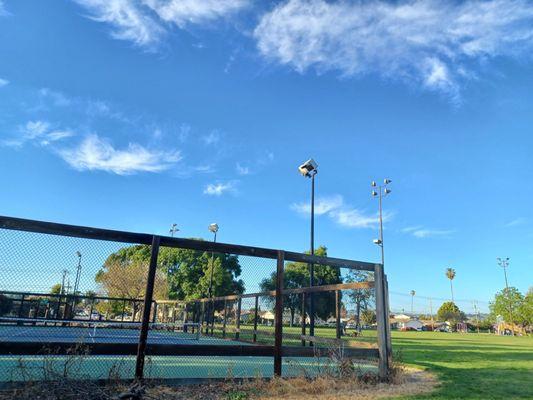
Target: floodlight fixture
<point x="387" y="181"/>
<point x="213" y="228"/>
<point x="378" y="242"/>
<point x="173" y="229"/>
<point x="374" y="184"/>
<point x="308" y="168"/>
<point x="374" y="193"/>
<point x="387" y="191"/>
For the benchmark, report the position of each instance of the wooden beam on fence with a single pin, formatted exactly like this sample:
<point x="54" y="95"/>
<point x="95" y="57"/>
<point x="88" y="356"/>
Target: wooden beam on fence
<point x="141" y="349"/>
<point x="278" y="317"/>
<point x="256" y="315"/>
<point x="303" y="317"/>
<point x="238" y="319"/>
<point x="381" y="323"/>
<point x="95" y="349"/>
<point x="191" y="244"/>
<point x="225" y="318"/>
<point x="338" y="314"/>
<point x="309" y="289"/>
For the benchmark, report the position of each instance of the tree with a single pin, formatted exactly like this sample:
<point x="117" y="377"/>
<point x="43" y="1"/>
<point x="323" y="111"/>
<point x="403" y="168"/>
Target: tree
<point x="362" y="298"/>
<point x="509" y="304"/>
<point x="450" y="274"/>
<point x="296" y="275"/>
<point x="56" y="289"/>
<point x="448" y="311"/>
<point x="368" y="317"/>
<point x="526" y="309"/>
<point x="182" y="274"/>
<point x="6" y="304"/>
<point x="125" y="273"/>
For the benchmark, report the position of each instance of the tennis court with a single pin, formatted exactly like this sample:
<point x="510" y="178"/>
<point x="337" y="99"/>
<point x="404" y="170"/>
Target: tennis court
<point x="86" y="366"/>
<point x="90" y="303"/>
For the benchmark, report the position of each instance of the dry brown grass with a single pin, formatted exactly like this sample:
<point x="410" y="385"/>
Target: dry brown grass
<point x="324" y="388"/>
<point x="412" y="382"/>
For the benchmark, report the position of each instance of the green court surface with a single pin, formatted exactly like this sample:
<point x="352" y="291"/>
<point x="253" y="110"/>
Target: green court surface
<point x="27" y="368"/>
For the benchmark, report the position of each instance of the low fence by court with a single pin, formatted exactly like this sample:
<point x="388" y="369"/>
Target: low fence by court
<point x="147" y="297"/>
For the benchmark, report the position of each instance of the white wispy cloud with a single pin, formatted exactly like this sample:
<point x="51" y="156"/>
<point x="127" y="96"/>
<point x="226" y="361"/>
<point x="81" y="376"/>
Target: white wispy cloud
<point x="242" y="170"/>
<point x="336" y="209"/>
<point x="211" y="138"/>
<point x="435" y="43"/>
<point x="219" y="188"/>
<point x="516" y="222"/>
<point x="3" y="11"/>
<point x="95" y="153"/>
<point x="323" y="205"/>
<point x="145" y="22"/>
<point x="354" y="218"/>
<point x="38" y="132"/>
<point x="422" y="233"/>
<point x="3" y="82"/>
<point x="184" y="12"/>
<point x="128" y="19"/>
<point x="58" y="99"/>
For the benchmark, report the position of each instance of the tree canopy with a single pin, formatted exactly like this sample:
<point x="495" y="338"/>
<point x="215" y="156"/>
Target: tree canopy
<point x="513" y="306"/>
<point x="296" y="275"/>
<point x="182" y="274"/>
<point x="449" y="311"/>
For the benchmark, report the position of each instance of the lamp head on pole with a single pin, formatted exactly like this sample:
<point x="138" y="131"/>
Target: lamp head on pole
<point x="78" y="254"/>
<point x="213" y="228"/>
<point x="308" y="168"/>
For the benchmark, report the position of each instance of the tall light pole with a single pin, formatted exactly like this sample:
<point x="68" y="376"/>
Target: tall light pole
<point x="173" y="229"/>
<point x="76" y="283"/>
<point x="78" y="273"/>
<point x="504" y="263"/>
<point x="382" y="191"/>
<point x="64" y="277"/>
<point x="309" y="169"/>
<point x="211" y="312"/>
<point x="412" y="300"/>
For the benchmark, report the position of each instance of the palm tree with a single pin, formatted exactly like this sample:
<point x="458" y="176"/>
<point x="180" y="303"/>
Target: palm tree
<point x="450" y="274"/>
<point x="412" y="298"/>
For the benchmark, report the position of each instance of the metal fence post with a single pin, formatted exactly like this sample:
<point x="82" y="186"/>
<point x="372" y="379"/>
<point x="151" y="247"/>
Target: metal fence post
<point x="141" y="350"/>
<point x="238" y="319"/>
<point x="338" y="314"/>
<point x="303" y="318"/>
<point x="382" y="322"/>
<point x="256" y="315"/>
<point x="279" y="314"/>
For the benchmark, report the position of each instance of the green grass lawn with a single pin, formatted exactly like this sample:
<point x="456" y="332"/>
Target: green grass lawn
<point x="471" y="366"/>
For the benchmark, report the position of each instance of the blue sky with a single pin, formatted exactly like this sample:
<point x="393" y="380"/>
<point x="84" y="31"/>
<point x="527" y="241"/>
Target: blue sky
<point x="134" y="115"/>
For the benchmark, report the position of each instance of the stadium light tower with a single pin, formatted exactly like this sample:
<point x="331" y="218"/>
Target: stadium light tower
<point x="382" y="191"/>
<point x="504" y="263"/>
<point x="173" y="229"/>
<point x="309" y="169"/>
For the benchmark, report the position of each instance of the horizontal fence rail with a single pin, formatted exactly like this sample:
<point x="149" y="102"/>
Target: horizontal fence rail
<point x="53" y="228"/>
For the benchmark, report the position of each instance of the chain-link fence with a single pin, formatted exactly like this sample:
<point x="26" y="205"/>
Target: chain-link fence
<point x="87" y="303"/>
